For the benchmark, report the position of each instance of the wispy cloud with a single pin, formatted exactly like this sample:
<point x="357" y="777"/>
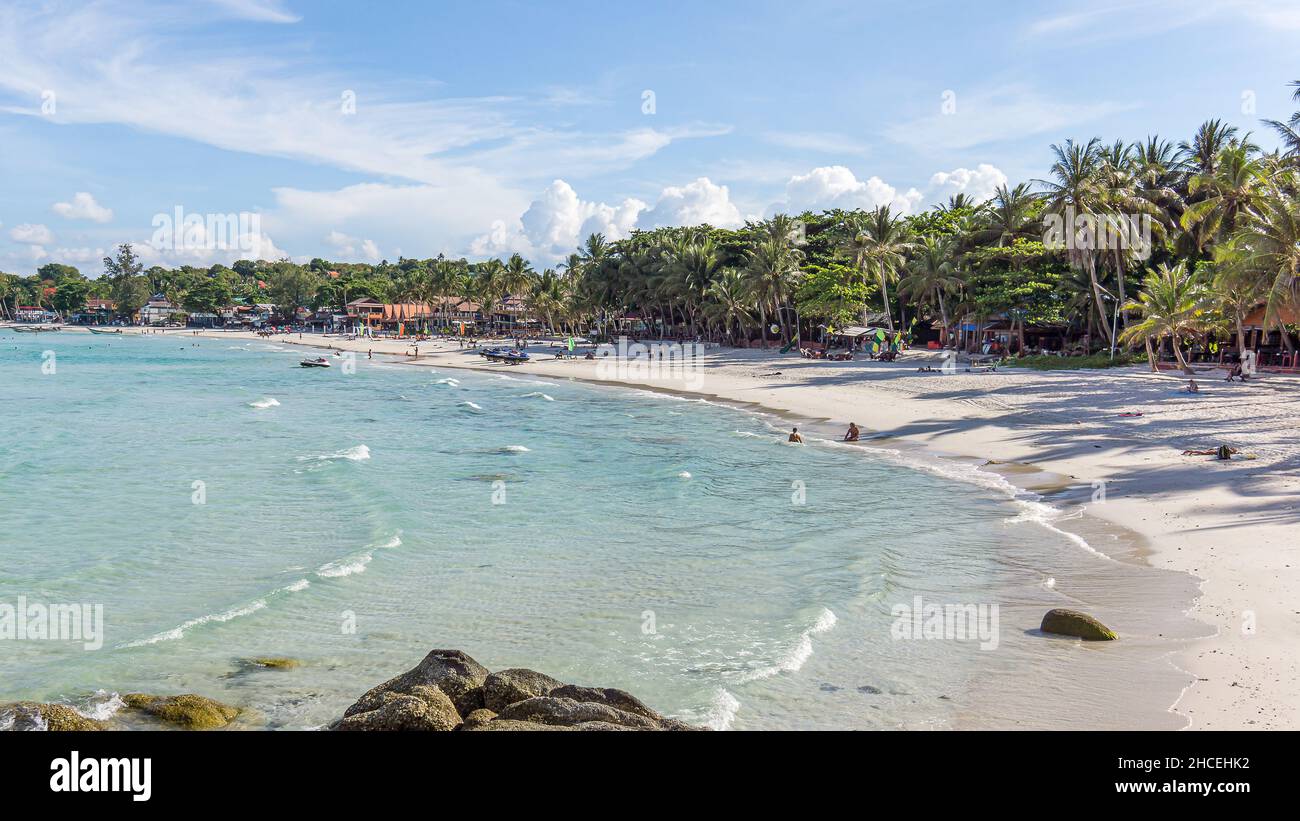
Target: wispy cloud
<point x="1124" y="20"/>
<point x="988" y="116"/>
<point x="822" y="142"/>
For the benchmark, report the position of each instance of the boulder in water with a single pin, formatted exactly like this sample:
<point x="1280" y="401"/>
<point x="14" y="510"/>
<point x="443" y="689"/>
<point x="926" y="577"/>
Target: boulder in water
<point x="31" y="715"/>
<point x="189" y="711"/>
<point x="1080" y="625"/>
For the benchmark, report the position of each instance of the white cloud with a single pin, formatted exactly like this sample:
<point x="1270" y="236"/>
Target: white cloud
<point x="835" y="186"/>
<point x="78" y="256"/>
<point x="558" y="221"/>
<point x="979" y="184"/>
<point x="823" y="142"/>
<point x="83" y="207"/>
<point x="347" y="248"/>
<point x="262" y="11"/>
<point x="32" y="234"/>
<point x="1012" y="113"/>
<point x="694" y="204"/>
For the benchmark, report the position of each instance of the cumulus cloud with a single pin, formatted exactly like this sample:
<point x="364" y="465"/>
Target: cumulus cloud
<point x="558" y="221"/>
<point x="83" y="207"/>
<point x="346" y="247"/>
<point x="979" y="184"/>
<point x="31" y="234"/>
<point x="835" y="186"/>
<point x="699" y="202"/>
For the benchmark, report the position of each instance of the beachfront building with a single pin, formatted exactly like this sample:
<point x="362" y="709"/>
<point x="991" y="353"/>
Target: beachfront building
<point x="159" y="310"/>
<point x="1266" y="340"/>
<point x="35" y="313"/>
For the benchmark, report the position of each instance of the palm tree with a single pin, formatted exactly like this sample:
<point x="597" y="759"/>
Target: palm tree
<point x="1075" y="192"/>
<point x="1289" y="131"/>
<point x="772" y="263"/>
<point x="1236" y="181"/>
<point x="932" y="274"/>
<point x="1008" y="217"/>
<point x="1270" y="238"/>
<point x="878" y="246"/>
<point x="1171" y="302"/>
<point x="1237" y="288"/>
<point x="730" y="300"/>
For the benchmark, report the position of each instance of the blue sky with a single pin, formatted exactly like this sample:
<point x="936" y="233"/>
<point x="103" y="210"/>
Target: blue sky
<point x="489" y="127"/>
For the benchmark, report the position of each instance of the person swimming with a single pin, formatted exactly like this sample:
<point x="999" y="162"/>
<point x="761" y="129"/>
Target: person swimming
<point x="852" y="434"/>
<point x="794" y="436"/>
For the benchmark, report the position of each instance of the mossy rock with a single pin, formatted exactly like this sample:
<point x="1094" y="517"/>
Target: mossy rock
<point x="1080" y="625"/>
<point x="30" y="715"/>
<point x="271" y="663"/>
<point x="189" y="711"/>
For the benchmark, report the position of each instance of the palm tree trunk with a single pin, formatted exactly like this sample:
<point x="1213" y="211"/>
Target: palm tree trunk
<point x="1100" y="303"/>
<point x="1151" y="355"/>
<point x="1178" y="355"/>
<point x="884" y="292"/>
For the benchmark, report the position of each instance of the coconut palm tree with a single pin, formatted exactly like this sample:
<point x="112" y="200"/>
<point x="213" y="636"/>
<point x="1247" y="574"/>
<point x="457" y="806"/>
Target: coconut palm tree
<point x="1009" y="217"/>
<point x="1289" y="131"/>
<point x="932" y="275"/>
<point x="877" y="247"/>
<point x="1076" y="192"/>
<point x="730" y="300"/>
<point x="1270" y="237"/>
<point x="1237" y="180"/>
<point x="772" y="264"/>
<point x="1172" y="302"/>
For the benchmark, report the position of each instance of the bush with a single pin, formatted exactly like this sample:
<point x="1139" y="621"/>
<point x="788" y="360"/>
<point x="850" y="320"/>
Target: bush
<point x="1071" y="363"/>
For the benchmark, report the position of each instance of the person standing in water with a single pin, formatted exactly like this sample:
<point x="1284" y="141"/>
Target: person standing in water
<point x="794" y="436"/>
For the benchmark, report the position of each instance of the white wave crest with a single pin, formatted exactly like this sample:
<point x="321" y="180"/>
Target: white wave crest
<point x="267" y="402"/>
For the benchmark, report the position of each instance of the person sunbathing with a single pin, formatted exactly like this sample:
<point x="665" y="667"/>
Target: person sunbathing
<point x="1192" y="387"/>
<point x="1223" y="452"/>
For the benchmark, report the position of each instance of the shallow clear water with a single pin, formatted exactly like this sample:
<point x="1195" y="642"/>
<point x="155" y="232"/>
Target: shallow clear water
<point x="602" y="535"/>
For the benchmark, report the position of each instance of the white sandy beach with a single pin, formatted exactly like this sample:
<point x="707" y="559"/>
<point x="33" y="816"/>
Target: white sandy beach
<point x="1233" y="525"/>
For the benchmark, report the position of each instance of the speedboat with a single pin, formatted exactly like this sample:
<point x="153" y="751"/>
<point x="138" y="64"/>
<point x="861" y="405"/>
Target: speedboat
<point x="507" y="356"/>
<point x="100" y="331"/>
<point x="318" y="362"/>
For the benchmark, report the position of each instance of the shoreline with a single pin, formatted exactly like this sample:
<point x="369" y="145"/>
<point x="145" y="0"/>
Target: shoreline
<point x="1226" y="525"/>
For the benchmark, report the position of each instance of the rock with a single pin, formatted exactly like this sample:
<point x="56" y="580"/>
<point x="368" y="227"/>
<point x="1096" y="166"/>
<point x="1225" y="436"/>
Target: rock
<point x="500" y="724"/>
<point x="457" y="675"/>
<point x="189" y="711"/>
<point x="448" y="685"/>
<point x="608" y="696"/>
<point x="477" y="719"/>
<point x="271" y="663"/>
<point x="567" y="712"/>
<point x="31" y="715"/>
<point x="426" y="709"/>
<point x="503" y="688"/>
<point x="1072" y="623"/>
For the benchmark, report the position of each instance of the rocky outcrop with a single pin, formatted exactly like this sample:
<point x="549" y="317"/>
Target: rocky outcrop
<point x="1073" y="623"/>
<point x="188" y="711"/>
<point x="458" y="676"/>
<point x="31" y="715"/>
<point x="448" y="690"/>
<point x="502" y="689"/>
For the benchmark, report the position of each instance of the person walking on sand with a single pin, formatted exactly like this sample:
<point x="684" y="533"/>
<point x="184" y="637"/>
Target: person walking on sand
<point x="794" y="436"/>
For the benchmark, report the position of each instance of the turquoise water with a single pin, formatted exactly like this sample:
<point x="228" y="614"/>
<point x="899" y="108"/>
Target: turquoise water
<point x="602" y="535"/>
